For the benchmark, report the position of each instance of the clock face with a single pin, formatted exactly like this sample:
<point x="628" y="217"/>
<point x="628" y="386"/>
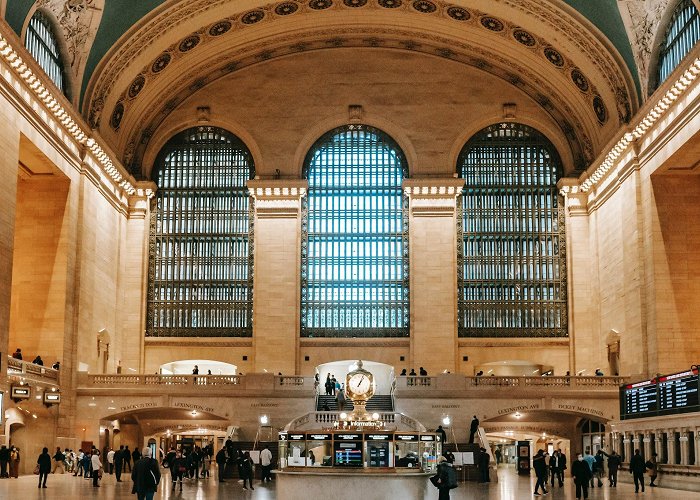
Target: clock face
<point x="359" y="384"/>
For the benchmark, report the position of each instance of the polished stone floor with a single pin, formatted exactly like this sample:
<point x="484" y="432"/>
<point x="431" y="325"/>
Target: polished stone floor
<point x="510" y="486"/>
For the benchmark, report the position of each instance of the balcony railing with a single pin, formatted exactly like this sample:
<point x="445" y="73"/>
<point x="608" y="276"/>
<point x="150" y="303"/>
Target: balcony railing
<point x="19" y="369"/>
<point x="458" y="382"/>
<point x="320" y="419"/>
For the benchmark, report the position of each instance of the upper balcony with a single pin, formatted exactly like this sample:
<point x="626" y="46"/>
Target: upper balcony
<point x="26" y="372"/>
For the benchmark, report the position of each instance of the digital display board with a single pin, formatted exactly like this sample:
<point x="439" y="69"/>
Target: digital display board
<point x="665" y="395"/>
<point x="678" y="393"/>
<point x="640" y="399"/>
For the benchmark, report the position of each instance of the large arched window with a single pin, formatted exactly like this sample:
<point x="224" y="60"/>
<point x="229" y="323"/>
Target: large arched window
<point x="42" y="44"/>
<point x="512" y="272"/>
<point x="354" y="277"/>
<point x="200" y="276"/>
<point x="681" y="35"/>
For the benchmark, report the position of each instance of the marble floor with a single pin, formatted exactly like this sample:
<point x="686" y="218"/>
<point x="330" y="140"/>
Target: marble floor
<point x="510" y="486"/>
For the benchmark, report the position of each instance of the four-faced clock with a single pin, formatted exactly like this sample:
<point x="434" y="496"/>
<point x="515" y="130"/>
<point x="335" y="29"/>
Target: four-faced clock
<point x="359" y="384"/>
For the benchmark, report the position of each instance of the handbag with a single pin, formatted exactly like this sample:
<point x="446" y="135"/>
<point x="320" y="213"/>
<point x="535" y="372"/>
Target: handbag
<point x="99" y="473"/>
<point x="182" y="469"/>
<point x="36" y="469"/>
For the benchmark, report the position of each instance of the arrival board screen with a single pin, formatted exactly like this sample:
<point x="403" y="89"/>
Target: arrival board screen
<point x="678" y="393"/>
<point x="639" y="400"/>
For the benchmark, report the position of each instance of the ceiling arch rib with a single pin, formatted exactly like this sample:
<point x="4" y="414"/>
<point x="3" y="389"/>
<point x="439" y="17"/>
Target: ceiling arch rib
<point x="587" y="100"/>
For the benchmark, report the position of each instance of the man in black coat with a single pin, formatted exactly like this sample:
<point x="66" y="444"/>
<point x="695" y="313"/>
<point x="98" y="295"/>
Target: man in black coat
<point x="484" y="466"/>
<point x="473" y="429"/>
<point x="582" y="475"/>
<point x="221" y="463"/>
<point x="4" y="460"/>
<point x="146" y="476"/>
<point x="126" y="454"/>
<point x="638" y="468"/>
<point x="119" y="463"/>
<point x="539" y="463"/>
<point x="614" y="461"/>
<point x="44" y="465"/>
<point x="557" y="466"/>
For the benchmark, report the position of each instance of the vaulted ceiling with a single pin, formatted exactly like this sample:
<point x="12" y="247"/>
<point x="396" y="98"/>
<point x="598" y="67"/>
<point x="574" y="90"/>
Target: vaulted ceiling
<point x="134" y="63"/>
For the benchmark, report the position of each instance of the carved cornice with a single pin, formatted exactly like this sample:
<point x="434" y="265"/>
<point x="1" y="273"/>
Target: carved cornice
<point x="433" y="197"/>
<point x="354" y="342"/>
<point x="197" y="342"/>
<point x="277" y="198"/>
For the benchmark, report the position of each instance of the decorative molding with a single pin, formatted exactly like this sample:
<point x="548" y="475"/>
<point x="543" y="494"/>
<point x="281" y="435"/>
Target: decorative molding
<point x="354" y="342"/>
<point x="433" y="197"/>
<point x="198" y="342"/>
<point x="277" y="198"/>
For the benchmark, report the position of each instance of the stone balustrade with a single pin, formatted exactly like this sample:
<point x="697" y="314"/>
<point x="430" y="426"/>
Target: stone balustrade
<point x="456" y="382"/>
<point x="20" y="370"/>
<point x="320" y="419"/>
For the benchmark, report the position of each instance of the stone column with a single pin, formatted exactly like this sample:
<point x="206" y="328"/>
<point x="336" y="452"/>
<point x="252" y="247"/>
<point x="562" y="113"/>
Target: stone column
<point x="582" y="283"/>
<point x="685" y="454"/>
<point x="697" y="446"/>
<point x="671" y="445"/>
<point x="276" y="293"/>
<point x="128" y="349"/>
<point x="627" y="444"/>
<point x="433" y="271"/>
<point x="647" y="445"/>
<point x="658" y="441"/>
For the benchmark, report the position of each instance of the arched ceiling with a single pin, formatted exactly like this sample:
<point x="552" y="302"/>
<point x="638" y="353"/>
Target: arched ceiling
<point x="167" y="51"/>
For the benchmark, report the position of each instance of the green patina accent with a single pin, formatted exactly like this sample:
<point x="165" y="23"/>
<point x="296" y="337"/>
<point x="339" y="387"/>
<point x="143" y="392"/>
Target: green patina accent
<point x="120" y="15"/>
<point x="605" y="15"/>
<point x="16" y="13"/>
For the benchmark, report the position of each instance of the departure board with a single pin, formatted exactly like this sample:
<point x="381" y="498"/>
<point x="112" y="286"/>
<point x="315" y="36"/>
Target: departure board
<point x="639" y="400"/>
<point x="678" y="393"/>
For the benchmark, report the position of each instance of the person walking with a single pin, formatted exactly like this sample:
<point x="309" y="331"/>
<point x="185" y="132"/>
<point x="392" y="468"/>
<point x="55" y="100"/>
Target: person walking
<point x="146" y="476"/>
<point x="96" y="468"/>
<point x="221" y="463"/>
<point x="79" y="463"/>
<point x="539" y="463"/>
<point x="247" y="470"/>
<point x="637" y="469"/>
<point x="4" y="461"/>
<point x="14" y="461"/>
<point x="43" y="463"/>
<point x="126" y="455"/>
<point x="473" y="429"/>
<point x="614" y="461"/>
<point x="178" y="468"/>
<point x="59" y="461"/>
<point x="340" y="398"/>
<point x="266" y="463"/>
<point x="590" y="460"/>
<point x="119" y="463"/>
<point x="653" y="466"/>
<point x="582" y="475"/>
<point x="110" y="461"/>
<point x="446" y="478"/>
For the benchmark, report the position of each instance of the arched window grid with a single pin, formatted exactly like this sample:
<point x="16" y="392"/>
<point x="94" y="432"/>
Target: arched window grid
<point x="354" y="277"/>
<point x="682" y="34"/>
<point x="511" y="252"/>
<point x="201" y="238"/>
<point x="41" y="42"/>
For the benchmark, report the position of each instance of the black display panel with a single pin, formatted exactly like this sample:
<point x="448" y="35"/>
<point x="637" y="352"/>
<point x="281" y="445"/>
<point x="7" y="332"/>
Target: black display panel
<point x="347" y="453"/>
<point x="639" y="400"/>
<point x="678" y="393"/>
<point x="378" y="454"/>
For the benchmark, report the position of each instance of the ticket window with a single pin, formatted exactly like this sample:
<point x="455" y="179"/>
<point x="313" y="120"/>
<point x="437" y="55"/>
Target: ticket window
<point x="429" y="451"/>
<point x="319" y="450"/>
<point x="296" y="450"/>
<point x="379" y="450"/>
<point x="406" y="450"/>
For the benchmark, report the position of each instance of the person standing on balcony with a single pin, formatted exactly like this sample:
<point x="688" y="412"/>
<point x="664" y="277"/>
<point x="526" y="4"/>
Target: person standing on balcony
<point x="423" y="372"/>
<point x="599" y="372"/>
<point x="473" y="429"/>
<point x="56" y="365"/>
<point x="38" y="361"/>
<point x="17" y="354"/>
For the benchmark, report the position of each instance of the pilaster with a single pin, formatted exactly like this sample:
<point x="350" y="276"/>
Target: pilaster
<point x="433" y="271"/>
<point x="276" y="296"/>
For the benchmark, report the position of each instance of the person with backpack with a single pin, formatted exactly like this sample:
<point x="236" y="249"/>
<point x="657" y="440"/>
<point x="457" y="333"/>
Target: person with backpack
<point x="146" y="476"/>
<point x="446" y="479"/>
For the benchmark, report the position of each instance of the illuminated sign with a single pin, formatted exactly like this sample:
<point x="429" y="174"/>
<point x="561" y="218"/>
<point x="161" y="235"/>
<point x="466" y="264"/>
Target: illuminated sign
<point x="21" y="392"/>
<point x="52" y="398"/>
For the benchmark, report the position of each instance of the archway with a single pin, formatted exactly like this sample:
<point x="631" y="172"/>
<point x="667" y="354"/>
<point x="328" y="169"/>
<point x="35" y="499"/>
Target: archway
<point x="383" y="374"/>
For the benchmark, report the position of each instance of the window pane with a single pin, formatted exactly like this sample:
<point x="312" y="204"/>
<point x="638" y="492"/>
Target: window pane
<point x="512" y="278"/>
<point x="681" y="35"/>
<point x="41" y="43"/>
<point x="355" y="248"/>
<point x="200" y="279"/>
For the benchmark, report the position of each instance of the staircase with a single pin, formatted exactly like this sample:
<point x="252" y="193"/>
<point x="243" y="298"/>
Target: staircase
<point x="378" y="403"/>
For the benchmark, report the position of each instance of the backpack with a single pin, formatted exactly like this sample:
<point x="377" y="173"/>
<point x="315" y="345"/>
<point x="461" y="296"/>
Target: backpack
<point x="451" y="478"/>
